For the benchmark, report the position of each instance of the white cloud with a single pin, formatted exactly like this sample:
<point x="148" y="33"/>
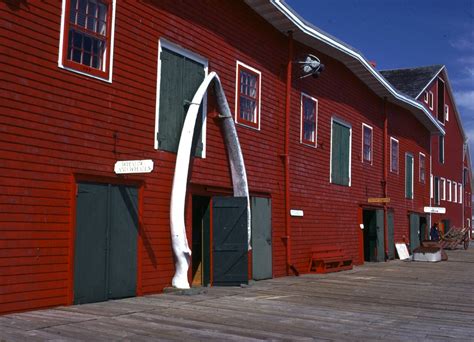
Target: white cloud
<point x="464" y="43"/>
<point x="465" y="98"/>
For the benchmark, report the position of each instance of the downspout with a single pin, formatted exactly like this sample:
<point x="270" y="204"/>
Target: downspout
<point x="286" y="154"/>
<point x="385" y="175"/>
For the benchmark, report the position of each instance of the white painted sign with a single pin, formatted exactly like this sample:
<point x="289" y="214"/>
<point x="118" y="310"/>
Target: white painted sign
<point x="295" y="212"/>
<point x="133" y="166"/>
<point x="435" y="210"/>
<point x="402" y="251"/>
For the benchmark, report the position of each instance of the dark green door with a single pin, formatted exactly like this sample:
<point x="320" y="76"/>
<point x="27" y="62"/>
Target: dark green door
<point x="180" y="77"/>
<point x="414" y="231"/>
<point x="340" y="153"/>
<point x="261" y="238"/>
<point x="229" y="243"/>
<point x="380" y="235"/>
<point x="105" y="260"/>
<point x="390" y="238"/>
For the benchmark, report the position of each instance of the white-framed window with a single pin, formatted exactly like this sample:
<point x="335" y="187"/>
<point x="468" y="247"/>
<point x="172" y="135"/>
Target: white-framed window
<point x="430" y="100"/>
<point x="442" y="186"/>
<point x="431" y="186"/>
<point x="248" y="90"/>
<point x="449" y="190"/>
<point x="436" y="190"/>
<point x="446" y="112"/>
<point x="367" y="143"/>
<point x="394" y="151"/>
<point x="441" y="149"/>
<point x="425" y="97"/>
<point x="174" y="93"/>
<point x="86" y="40"/>
<point x="341" y="151"/>
<point x="422" y="168"/>
<point x="455" y="192"/>
<point x="460" y="193"/>
<point x="309" y="120"/>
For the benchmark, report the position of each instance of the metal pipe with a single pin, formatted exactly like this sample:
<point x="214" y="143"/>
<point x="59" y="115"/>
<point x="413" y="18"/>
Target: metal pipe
<point x="289" y="70"/>
<point x="385" y="175"/>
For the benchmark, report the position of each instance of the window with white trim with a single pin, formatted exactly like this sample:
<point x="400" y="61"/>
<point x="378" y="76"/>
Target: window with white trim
<point x="449" y="190"/>
<point x="441" y="149"/>
<point x="455" y="192"/>
<point x="248" y="96"/>
<point x="442" y="186"/>
<point x="425" y="97"/>
<point x="394" y="150"/>
<point x="436" y="191"/>
<point x="430" y="100"/>
<point x="367" y="143"/>
<point x="86" y="39"/>
<point x="446" y="112"/>
<point x="422" y="167"/>
<point x="309" y="120"/>
<point x="460" y="193"/>
<point x="409" y="173"/>
<point x="441" y="108"/>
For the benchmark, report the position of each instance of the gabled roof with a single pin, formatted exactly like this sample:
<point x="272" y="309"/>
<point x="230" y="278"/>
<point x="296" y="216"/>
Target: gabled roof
<point x="412" y="81"/>
<point x="285" y="19"/>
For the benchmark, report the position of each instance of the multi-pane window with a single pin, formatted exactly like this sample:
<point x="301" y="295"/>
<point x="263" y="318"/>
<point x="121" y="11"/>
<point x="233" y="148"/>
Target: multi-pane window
<point x="340" y="153"/>
<point x="422" y="168"/>
<point x="394" y="146"/>
<point x="248" y="96"/>
<point x="367" y="139"/>
<point x="309" y="117"/>
<point x="442" y="188"/>
<point x="87" y="36"/>
<point x="409" y="168"/>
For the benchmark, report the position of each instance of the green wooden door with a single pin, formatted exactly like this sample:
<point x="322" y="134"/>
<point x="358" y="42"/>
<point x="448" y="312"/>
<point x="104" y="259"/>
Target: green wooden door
<point x="340" y="154"/>
<point x="414" y="231"/>
<point x="380" y="235"/>
<point x="409" y="176"/>
<point x="261" y="238"/>
<point x="180" y="78"/>
<point x="390" y="237"/>
<point x="105" y="260"/>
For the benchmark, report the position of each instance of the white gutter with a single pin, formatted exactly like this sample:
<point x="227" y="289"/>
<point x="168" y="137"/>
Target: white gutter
<point x="281" y="6"/>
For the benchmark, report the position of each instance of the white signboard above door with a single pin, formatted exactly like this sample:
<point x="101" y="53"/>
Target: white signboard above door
<point x="133" y="166"/>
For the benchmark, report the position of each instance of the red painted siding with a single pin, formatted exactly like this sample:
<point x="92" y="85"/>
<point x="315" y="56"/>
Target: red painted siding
<point x="58" y="127"/>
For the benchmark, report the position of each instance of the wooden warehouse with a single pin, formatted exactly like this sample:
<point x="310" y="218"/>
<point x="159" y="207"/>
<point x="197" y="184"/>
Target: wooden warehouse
<point x="89" y="83"/>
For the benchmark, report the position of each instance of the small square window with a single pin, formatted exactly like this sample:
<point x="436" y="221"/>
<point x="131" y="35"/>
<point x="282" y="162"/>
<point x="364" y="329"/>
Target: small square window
<point x="309" y="117"/>
<point x="394" y="155"/>
<point x="367" y="141"/>
<point x="248" y="96"/>
<point x="86" y="39"/>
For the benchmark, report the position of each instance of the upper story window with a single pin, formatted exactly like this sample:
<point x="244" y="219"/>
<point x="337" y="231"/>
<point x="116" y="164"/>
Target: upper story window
<point x="431" y="100"/>
<point x="460" y="193"/>
<point x="309" y="118"/>
<point x="394" y="147"/>
<point x="422" y="161"/>
<point x="409" y="171"/>
<point x="455" y="192"/>
<point x="425" y="97"/>
<point x="446" y="112"/>
<point x="248" y="96"/>
<point x="340" y="167"/>
<point x="448" y="190"/>
<point x="367" y="143"/>
<point x="442" y="185"/>
<point x="441" y="149"/>
<point x="441" y="100"/>
<point x="436" y="190"/>
<point x="87" y="37"/>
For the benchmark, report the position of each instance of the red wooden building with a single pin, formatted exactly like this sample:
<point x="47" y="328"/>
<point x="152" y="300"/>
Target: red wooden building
<point x="451" y="171"/>
<point x="87" y="83"/>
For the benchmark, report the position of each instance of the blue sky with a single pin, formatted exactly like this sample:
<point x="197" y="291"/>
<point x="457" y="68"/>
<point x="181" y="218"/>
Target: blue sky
<point x="406" y="33"/>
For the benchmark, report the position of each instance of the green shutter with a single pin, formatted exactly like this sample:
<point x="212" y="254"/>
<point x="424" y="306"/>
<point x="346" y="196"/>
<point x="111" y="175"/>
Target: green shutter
<point x="180" y="78"/>
<point x="340" y="154"/>
<point x="409" y="176"/>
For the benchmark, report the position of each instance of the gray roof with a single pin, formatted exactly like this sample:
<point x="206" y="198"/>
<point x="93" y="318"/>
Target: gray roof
<point x="411" y="81"/>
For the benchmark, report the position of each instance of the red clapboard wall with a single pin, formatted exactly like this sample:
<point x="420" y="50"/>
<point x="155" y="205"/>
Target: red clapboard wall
<point x="59" y="127"/>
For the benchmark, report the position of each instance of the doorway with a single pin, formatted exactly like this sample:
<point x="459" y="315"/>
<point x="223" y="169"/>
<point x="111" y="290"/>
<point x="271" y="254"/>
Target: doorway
<point x="373" y="235"/>
<point x="105" y="258"/>
<point x="261" y="209"/>
<point x="200" y="262"/>
<point x="418" y="230"/>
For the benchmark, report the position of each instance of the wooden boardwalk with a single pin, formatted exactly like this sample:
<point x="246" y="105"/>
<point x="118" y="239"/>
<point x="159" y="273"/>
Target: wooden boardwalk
<point x="394" y="301"/>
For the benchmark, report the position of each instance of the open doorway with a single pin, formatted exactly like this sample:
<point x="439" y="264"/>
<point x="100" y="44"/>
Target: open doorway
<point x="200" y="261"/>
<point x="373" y="235"/>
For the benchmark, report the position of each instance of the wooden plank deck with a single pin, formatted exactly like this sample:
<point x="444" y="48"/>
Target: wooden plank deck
<point x="394" y="301"/>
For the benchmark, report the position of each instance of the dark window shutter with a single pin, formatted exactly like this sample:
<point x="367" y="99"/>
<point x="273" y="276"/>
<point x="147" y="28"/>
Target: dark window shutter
<point x="345" y="150"/>
<point x="180" y="78"/>
<point x="335" y="158"/>
<point x="409" y="177"/>
<point x="340" y="154"/>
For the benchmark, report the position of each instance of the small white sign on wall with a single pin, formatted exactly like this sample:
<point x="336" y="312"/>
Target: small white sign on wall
<point x="296" y="212"/>
<point x="402" y="251"/>
<point x="133" y="166"/>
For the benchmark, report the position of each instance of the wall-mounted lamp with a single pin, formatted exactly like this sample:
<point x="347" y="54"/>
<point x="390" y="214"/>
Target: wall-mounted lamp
<point x="310" y="66"/>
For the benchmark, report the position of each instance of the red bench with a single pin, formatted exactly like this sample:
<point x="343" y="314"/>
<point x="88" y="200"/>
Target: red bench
<point x="325" y="259"/>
